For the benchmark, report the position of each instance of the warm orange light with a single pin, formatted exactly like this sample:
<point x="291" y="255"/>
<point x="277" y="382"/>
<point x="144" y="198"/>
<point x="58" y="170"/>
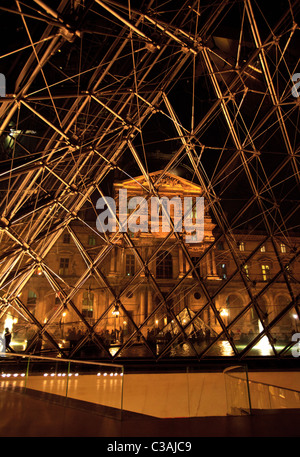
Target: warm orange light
<point x="224" y="312"/>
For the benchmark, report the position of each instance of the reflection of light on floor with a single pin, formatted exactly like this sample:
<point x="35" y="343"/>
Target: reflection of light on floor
<point x="263" y="346"/>
<point x="226" y="348"/>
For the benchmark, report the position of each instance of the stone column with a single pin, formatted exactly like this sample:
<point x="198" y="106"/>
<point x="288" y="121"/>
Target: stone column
<point x="150" y="301"/>
<point x="208" y="267"/>
<point x="214" y="267"/>
<point x="181" y="263"/>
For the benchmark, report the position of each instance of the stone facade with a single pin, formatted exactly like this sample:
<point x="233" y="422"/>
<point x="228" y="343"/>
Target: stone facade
<point x="153" y="294"/>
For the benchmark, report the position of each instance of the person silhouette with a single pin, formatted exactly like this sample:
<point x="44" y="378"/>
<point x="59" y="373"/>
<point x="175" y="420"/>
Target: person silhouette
<point x="8" y="340"/>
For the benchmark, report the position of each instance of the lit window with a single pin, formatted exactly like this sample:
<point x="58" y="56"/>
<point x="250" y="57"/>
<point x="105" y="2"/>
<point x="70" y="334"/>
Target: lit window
<point x="289" y="273"/>
<point x="64" y="267"/>
<point x="283" y="247"/>
<point x="263" y="249"/>
<point x="87" y="304"/>
<point x="265" y="269"/>
<point x="246" y="271"/>
<point x="130" y="265"/>
<point x="222" y="270"/>
<point x="164" y="265"/>
<point x="241" y="246"/>
<point x="92" y="240"/>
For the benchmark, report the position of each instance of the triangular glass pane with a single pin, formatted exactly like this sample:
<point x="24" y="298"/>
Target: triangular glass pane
<point x="232" y="299"/>
<point x="245" y="329"/>
<point x="221" y="348"/>
<point x="285" y="331"/>
<point x="274" y="300"/>
<point x="262" y="348"/>
<point x="203" y="328"/>
<point x="136" y="347"/>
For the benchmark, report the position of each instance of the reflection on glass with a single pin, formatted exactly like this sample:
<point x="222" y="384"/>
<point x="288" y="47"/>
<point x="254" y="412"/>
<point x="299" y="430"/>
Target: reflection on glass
<point x="263" y="346"/>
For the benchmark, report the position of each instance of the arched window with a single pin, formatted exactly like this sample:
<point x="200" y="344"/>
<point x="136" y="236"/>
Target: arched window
<point x="164" y="265"/>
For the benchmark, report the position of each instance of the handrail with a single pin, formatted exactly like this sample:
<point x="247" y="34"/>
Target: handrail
<point x="109" y="403"/>
<point x="59" y="359"/>
<point x="258" y="382"/>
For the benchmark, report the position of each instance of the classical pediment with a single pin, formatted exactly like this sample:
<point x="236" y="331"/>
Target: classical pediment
<point x="168" y="182"/>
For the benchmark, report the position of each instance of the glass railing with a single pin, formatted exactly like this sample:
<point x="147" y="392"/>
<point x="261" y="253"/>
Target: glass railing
<point x="266" y="396"/>
<point x="245" y="395"/>
<point x="237" y="391"/>
<point x="71" y="382"/>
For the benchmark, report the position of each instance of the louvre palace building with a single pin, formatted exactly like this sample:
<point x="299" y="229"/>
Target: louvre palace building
<point x="153" y="295"/>
<point x="182" y="100"/>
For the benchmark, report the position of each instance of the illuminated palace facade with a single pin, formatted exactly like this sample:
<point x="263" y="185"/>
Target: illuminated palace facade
<point x="153" y="295"/>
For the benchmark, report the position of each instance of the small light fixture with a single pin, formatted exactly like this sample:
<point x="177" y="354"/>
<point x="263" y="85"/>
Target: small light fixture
<point x="224" y="313"/>
<point x="116" y="311"/>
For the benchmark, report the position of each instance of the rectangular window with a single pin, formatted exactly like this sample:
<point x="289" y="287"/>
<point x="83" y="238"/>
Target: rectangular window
<point x="265" y="269"/>
<point x="283" y="247"/>
<point x="164" y="265"/>
<point x="92" y="240"/>
<point x="220" y="246"/>
<point x="66" y="238"/>
<point x="130" y="265"/>
<point x="31" y="299"/>
<point x="290" y="273"/>
<point x="64" y="267"/>
<point x="88" y="304"/>
<point x="246" y="271"/>
<point x="241" y="246"/>
<point x="222" y="270"/>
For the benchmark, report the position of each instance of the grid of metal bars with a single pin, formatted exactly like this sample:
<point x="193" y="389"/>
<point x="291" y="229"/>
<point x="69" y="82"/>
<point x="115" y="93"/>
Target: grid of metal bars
<point x="93" y="88"/>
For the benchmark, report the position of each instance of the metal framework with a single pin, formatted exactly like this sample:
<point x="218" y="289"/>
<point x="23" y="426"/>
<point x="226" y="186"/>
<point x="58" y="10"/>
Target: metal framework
<point x="93" y="90"/>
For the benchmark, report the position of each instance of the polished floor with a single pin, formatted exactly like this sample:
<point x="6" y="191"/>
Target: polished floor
<point x="25" y="415"/>
<point x="161" y="395"/>
<point x="151" y="408"/>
